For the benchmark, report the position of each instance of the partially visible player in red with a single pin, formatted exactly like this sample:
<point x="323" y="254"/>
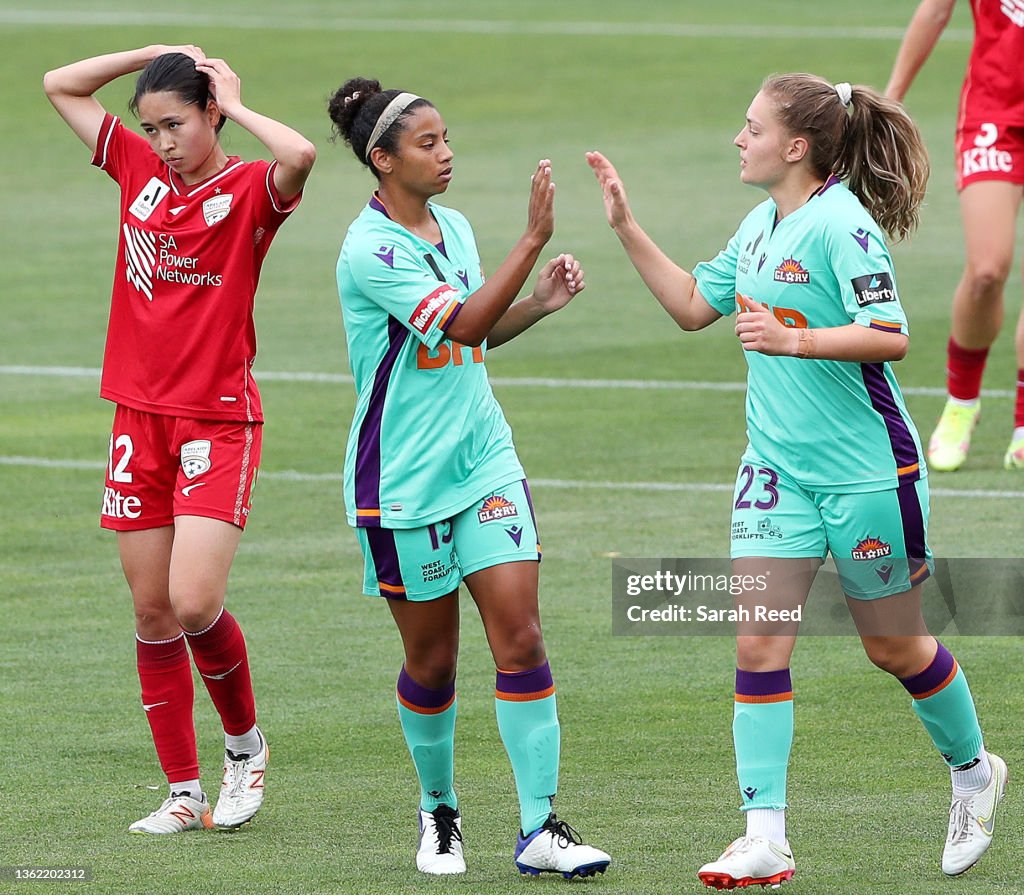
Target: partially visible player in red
<point x="195" y="226"/>
<point x="990" y="180"/>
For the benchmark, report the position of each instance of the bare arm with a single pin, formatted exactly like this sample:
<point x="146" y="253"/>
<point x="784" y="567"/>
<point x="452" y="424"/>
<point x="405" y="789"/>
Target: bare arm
<point x="759" y="330"/>
<point x="559" y="281"/>
<point x="926" y="25"/>
<point x="70" y="88"/>
<point x="485" y="307"/>
<point x="674" y="288"/>
<point x="295" y="154"/>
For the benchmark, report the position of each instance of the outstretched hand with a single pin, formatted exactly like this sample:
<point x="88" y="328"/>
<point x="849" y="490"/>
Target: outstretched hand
<point x="558" y="282"/>
<point x="760" y="330"/>
<point x="616" y="205"/>
<point x="540" y="219"/>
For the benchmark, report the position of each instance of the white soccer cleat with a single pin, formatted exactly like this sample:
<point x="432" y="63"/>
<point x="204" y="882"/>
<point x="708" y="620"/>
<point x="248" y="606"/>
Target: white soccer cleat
<point x="176" y="815"/>
<point x="972" y="821"/>
<point x="557" y="848"/>
<point x="241" y="792"/>
<point x="440" y="849"/>
<point x="750" y="861"/>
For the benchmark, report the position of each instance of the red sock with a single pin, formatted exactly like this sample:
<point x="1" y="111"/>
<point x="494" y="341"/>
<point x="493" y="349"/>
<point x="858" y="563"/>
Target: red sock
<point x="219" y="654"/>
<point x="167" y="696"/>
<point x="1018" y="410"/>
<point x="964" y="369"/>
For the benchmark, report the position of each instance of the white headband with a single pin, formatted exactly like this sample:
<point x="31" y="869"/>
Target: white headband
<point x="845" y="92"/>
<point x="388" y="117"/>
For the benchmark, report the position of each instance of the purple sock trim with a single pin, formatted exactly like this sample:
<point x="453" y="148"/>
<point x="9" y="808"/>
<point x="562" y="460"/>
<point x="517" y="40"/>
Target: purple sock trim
<point x="763" y="683"/>
<point x="416" y="694"/>
<point x="933" y="677"/>
<point x="535" y="680"/>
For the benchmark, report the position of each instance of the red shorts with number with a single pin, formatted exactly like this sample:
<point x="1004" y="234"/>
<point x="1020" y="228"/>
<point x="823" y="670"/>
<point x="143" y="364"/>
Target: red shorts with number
<point x="161" y="466"/>
<point x="989" y="151"/>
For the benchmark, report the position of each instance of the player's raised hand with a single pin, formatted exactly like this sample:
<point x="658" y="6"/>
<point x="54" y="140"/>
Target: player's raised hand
<point x="616" y="205"/>
<point x="558" y="282"/>
<point x="190" y="50"/>
<point x="540" y="220"/>
<point x="225" y="85"/>
<point x="759" y="329"/>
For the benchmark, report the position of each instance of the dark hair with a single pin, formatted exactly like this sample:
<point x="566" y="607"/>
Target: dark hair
<point x="355" y="108"/>
<point x="174" y="73"/>
<point x="875" y="146"/>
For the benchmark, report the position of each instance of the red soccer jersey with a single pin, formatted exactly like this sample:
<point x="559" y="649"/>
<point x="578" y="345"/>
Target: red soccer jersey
<point x="181" y="339"/>
<point x="994" y="84"/>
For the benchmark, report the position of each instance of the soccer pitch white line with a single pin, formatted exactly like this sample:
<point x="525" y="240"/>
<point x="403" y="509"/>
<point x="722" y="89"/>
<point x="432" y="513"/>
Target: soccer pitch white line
<point x="747" y="31"/>
<point x="688" y="385"/>
<point x="291" y="475"/>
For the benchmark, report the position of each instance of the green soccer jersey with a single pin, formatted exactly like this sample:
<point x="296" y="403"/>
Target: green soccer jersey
<point x="428" y="437"/>
<point x="833" y="426"/>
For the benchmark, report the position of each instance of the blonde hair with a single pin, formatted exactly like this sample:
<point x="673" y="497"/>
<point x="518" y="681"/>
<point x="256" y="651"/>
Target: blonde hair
<point x="872" y="143"/>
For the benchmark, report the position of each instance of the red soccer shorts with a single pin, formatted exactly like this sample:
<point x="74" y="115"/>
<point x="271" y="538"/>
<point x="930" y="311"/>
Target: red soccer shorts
<point x="989" y="151"/>
<point x="161" y="466"/>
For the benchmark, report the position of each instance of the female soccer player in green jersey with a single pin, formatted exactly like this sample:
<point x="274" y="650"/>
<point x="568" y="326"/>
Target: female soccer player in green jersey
<point x="433" y="485"/>
<point x="833" y="455"/>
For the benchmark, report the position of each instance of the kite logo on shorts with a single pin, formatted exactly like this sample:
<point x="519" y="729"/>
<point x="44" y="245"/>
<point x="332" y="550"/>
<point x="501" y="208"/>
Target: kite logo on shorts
<point x="792" y="271"/>
<point x="873" y="289"/>
<point x="870" y="548"/>
<point x="195" y="457"/>
<point x="495" y="508"/>
<point x="216" y="208"/>
<point x="430" y="307"/>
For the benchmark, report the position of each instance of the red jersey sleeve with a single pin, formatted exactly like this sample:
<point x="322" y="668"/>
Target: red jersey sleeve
<point x="271" y="210"/>
<point x="119" y="150"/>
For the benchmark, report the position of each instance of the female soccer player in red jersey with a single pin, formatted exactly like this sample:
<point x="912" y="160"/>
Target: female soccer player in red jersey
<point x="195" y="226"/>
<point x="990" y="180"/>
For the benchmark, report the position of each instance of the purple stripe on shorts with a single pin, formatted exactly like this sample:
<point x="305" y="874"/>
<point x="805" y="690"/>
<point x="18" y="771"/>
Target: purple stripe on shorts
<point x="904" y="450"/>
<point x="385" y="560"/>
<point x="367" y="472"/>
<point x="533" y="516"/>
<point x="533" y="681"/>
<point x="763" y="683"/>
<point x="933" y="676"/>
<point x="914" y="537"/>
<point x="424" y="697"/>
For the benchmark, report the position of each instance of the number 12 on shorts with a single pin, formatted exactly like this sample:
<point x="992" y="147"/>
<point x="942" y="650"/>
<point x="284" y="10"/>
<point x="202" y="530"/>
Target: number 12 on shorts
<point x="120" y="473"/>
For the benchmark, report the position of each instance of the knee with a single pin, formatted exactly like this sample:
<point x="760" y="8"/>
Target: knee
<point x="155" y="620"/>
<point x="891" y="656"/>
<point x="195" y="615"/>
<point x="761" y="653"/>
<point x="985" y="279"/>
<point x="521" y="649"/>
<point x="433" y="666"/>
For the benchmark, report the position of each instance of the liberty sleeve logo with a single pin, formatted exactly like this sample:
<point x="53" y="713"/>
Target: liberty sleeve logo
<point x="153" y="193"/>
<point x="195" y="457"/>
<point x="873" y="289"/>
<point x="139" y="258"/>
<point x="216" y="208"/>
<point x="431" y="306"/>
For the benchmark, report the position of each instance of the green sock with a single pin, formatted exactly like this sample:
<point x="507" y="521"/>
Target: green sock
<point x="428" y="722"/>
<point x="528" y="724"/>
<point x="943" y="702"/>
<point x="762" y="732"/>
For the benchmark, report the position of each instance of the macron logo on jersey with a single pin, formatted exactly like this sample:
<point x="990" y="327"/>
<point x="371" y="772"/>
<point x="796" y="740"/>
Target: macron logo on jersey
<point x="387" y="255"/>
<point x="861" y="238"/>
<point x="431" y="306"/>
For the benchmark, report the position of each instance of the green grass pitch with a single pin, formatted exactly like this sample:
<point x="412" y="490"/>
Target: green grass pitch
<point x="661" y="87"/>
